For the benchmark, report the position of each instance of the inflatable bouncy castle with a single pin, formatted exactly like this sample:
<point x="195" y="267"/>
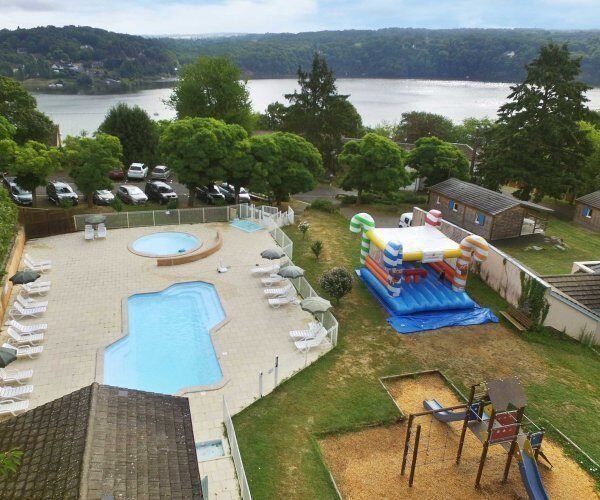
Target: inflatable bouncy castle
<point x="419" y="274"/>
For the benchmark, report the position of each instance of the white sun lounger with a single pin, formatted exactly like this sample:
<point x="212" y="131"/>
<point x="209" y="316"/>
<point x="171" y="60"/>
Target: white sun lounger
<point x="280" y="301"/>
<point x="271" y="268"/>
<point x="42" y="266"/>
<point x="15" y="392"/>
<point x="279" y="292"/>
<point x="18" y="311"/>
<point x="89" y="232"/>
<point x="310" y="333"/>
<point x="30" y="303"/>
<point x="13" y="407"/>
<point x="43" y="262"/>
<point x="27" y="338"/>
<point x="25" y="351"/>
<point x="307" y="344"/>
<point x="41" y="288"/>
<point x="101" y="234"/>
<point x="271" y="280"/>
<point x="40" y="327"/>
<point x="18" y="376"/>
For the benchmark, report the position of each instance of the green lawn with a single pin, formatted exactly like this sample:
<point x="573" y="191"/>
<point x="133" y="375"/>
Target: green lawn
<point x="582" y="245"/>
<point x="342" y="391"/>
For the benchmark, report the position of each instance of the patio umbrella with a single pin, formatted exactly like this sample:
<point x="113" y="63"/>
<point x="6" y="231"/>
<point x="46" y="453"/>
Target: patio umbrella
<point x="95" y="219"/>
<point x="272" y="253"/>
<point x="22" y="277"/>
<point x="291" y="272"/>
<point x="315" y="305"/>
<point x="7" y="356"/>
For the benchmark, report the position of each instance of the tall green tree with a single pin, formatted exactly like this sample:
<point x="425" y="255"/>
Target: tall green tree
<point x="416" y="124"/>
<point x="213" y="87"/>
<point x="589" y="180"/>
<point x="135" y="129"/>
<point x="196" y="150"/>
<point x="538" y="142"/>
<point x="90" y="159"/>
<point x="33" y="163"/>
<point x="474" y="132"/>
<point x="319" y="113"/>
<point x="375" y="163"/>
<point x="7" y="129"/>
<point x="437" y="160"/>
<point x="20" y="109"/>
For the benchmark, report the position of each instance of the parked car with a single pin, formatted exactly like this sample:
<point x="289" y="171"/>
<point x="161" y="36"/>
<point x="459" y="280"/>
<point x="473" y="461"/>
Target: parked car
<point x="131" y="195"/>
<point x="210" y="194"/>
<point x="244" y="196"/>
<point x="160" y="172"/>
<point x="103" y="197"/>
<point x="19" y="195"/>
<point x="58" y="191"/>
<point x="137" y="171"/>
<point x="160" y="191"/>
<point x="117" y="174"/>
<point x="405" y="220"/>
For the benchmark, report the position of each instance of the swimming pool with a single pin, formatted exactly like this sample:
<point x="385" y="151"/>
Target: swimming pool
<point x="165" y="244"/>
<point x="168" y="346"/>
<point x="246" y="225"/>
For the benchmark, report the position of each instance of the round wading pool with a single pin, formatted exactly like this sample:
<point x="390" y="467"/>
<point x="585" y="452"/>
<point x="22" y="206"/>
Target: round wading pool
<point x="165" y="244"/>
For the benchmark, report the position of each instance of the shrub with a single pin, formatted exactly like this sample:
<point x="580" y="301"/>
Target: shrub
<point x="303" y="227"/>
<point x="173" y="204"/>
<point x="8" y="225"/>
<point x="317" y="248"/>
<point x="65" y="203"/>
<point x="337" y="282"/>
<point x="117" y="204"/>
<point x="323" y="206"/>
<point x="10" y="461"/>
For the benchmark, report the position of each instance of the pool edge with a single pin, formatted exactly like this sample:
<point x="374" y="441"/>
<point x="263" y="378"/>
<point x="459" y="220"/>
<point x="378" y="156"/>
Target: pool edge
<point x="155" y="256"/>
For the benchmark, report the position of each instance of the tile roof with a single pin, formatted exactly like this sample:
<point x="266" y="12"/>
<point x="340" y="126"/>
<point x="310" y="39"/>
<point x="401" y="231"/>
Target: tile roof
<point x="592" y="199"/>
<point x="581" y="287"/>
<point x="479" y="197"/>
<point x="104" y="441"/>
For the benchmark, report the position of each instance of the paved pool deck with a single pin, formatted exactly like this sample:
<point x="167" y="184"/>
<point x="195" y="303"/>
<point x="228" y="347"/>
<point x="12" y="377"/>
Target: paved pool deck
<point x="90" y="279"/>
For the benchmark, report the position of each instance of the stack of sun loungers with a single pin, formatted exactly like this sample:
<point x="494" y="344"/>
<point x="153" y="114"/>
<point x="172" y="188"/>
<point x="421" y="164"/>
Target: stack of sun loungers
<point x="280" y="291"/>
<point x="24" y="339"/>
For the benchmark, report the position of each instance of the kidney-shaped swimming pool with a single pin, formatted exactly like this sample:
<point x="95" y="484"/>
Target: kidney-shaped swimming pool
<point x="168" y="346"/>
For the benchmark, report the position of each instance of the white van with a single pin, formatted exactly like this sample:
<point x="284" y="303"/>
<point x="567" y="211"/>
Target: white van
<point x="405" y="220"/>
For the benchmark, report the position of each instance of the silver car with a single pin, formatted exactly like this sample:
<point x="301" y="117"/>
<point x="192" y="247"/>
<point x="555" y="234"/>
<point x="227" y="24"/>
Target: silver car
<point x="160" y="172"/>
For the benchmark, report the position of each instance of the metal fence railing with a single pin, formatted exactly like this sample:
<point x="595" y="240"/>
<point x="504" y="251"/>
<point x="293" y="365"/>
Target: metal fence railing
<point x="235" y="453"/>
<point x="282" y="239"/>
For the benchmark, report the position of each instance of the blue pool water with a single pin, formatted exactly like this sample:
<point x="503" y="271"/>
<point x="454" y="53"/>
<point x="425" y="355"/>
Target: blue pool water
<point x="246" y="225"/>
<point x="168" y="346"/>
<point x="165" y="244"/>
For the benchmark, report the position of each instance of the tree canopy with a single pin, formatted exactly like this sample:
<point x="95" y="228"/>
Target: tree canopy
<point x="137" y="132"/>
<point x="537" y="141"/>
<point x="437" y="160"/>
<point x="90" y="159"/>
<point x="212" y="87"/>
<point x="416" y="124"/>
<point x="374" y="163"/>
<point x="589" y="180"/>
<point x="20" y="109"/>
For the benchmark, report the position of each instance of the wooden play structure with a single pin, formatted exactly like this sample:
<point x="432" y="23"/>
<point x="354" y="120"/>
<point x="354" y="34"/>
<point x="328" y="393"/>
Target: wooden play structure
<point x="495" y="414"/>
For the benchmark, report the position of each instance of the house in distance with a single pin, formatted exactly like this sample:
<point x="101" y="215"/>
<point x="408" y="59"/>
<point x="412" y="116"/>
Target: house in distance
<point x="587" y="211"/>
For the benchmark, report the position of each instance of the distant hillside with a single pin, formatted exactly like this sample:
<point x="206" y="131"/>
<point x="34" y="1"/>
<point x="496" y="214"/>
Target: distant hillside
<point x="81" y="58"/>
<point x="461" y="54"/>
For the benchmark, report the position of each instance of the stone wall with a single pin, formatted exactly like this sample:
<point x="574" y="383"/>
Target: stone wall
<point x="592" y="222"/>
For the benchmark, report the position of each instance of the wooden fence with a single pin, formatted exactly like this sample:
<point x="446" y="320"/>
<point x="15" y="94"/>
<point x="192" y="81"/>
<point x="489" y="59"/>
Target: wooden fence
<point x="39" y="222"/>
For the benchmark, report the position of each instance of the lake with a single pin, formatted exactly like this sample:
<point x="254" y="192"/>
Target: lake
<point x="377" y="100"/>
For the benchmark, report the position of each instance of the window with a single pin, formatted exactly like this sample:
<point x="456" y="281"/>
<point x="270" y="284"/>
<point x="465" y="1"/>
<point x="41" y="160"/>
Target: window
<point x="480" y="219"/>
<point x="587" y="212"/>
<point x="453" y="206"/>
<point x="437" y="200"/>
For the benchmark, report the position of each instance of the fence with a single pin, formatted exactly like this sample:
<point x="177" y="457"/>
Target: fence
<point x="39" y="222"/>
<point x="235" y="453"/>
<point x="283" y="241"/>
<point x="503" y="273"/>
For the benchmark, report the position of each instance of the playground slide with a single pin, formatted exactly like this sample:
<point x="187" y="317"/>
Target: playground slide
<point x="530" y="474"/>
<point x="443" y="416"/>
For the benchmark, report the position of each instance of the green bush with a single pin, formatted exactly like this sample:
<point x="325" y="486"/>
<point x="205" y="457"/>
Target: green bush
<point x="399" y="197"/>
<point x="337" y="282"/>
<point x="316" y="248"/>
<point x="65" y="203"/>
<point x="173" y="204"/>
<point x="323" y="206"/>
<point x="117" y="204"/>
<point x="8" y="226"/>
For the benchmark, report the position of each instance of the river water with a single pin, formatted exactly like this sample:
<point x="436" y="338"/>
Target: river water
<point x="377" y="100"/>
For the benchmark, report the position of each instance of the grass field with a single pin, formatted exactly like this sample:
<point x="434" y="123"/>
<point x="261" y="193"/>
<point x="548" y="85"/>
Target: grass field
<point x="342" y="390"/>
<point x="582" y="245"/>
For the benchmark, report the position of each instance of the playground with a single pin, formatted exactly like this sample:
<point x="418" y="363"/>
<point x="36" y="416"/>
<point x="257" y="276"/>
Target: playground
<point x="368" y="463"/>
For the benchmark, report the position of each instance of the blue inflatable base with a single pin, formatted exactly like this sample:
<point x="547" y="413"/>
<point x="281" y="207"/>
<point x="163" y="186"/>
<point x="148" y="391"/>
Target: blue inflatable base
<point x="427" y="306"/>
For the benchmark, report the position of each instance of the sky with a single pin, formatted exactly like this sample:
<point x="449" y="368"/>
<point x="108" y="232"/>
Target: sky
<point x="158" y="17"/>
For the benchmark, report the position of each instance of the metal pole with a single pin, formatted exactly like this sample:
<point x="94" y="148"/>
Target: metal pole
<point x="127" y="213"/>
<point x="276" y="370"/>
<point x="414" y="458"/>
<point x="153" y="218"/>
<point x="260" y="384"/>
<point x="406" y="443"/>
<point x="179" y="217"/>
